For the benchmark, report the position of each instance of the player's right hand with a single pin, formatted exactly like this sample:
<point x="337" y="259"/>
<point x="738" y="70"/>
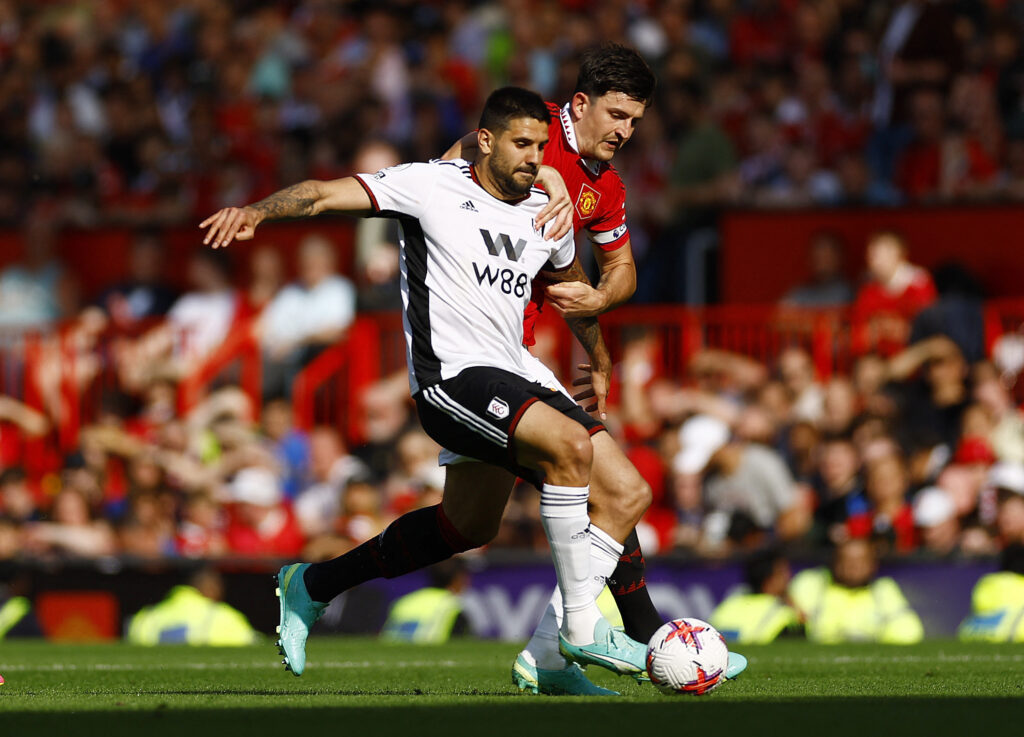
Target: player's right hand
<point x="597" y="382"/>
<point x="229" y="224"/>
<point x="558" y="211"/>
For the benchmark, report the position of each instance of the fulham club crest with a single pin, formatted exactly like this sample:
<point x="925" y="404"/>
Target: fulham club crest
<point x="498" y="408"/>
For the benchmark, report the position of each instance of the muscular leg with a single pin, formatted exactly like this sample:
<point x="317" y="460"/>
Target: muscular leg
<point x="619" y="496"/>
<point x="475" y="495"/>
<point x="618" y="493"/>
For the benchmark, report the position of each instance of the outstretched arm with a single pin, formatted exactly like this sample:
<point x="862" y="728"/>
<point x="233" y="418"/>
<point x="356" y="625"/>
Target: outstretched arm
<point x="301" y="200"/>
<point x="618" y="282"/>
<point x="905" y="363"/>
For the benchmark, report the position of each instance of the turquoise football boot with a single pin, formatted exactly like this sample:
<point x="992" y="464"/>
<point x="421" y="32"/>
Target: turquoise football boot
<point x="611" y="649"/>
<point x="298" y="614"/>
<point x="570" y="681"/>
<point x="737" y="664"/>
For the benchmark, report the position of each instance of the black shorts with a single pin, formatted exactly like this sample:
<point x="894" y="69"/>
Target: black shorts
<point x="475" y="414"/>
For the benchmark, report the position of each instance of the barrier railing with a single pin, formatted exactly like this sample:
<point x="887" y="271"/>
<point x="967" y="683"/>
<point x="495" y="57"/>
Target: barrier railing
<point x="329" y="389"/>
<point x="242" y="348"/>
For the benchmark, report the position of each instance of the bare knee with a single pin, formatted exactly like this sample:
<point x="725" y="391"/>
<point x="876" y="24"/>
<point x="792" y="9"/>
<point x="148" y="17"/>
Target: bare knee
<point x="569" y="458"/>
<point x="619" y="505"/>
<point x="638" y="500"/>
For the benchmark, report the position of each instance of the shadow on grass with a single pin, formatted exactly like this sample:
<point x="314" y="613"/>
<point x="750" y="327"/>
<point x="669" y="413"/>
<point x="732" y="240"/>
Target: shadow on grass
<point x="834" y="717"/>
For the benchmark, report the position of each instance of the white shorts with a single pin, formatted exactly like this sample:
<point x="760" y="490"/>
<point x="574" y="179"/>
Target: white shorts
<point x="539" y="373"/>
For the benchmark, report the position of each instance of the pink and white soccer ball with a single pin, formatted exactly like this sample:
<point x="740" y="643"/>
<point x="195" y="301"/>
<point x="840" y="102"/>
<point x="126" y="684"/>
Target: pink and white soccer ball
<point x="687" y="656"/>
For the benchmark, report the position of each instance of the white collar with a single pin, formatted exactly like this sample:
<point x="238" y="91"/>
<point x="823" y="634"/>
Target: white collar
<point x="592" y="165"/>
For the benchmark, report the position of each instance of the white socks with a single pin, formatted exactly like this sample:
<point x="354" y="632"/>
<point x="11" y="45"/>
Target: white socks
<point x="542" y="649"/>
<point x="563" y="513"/>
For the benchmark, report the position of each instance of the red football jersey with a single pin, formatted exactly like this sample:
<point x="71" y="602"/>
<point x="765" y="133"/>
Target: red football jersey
<point x="598" y="194"/>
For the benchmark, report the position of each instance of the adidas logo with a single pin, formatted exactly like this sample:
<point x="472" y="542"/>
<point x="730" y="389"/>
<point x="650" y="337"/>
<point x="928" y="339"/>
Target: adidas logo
<point x="468" y="205"/>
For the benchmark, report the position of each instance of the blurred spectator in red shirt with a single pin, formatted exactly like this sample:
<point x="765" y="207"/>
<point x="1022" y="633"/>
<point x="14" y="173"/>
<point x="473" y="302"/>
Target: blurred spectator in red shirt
<point x="896" y="291"/>
<point x="890" y="516"/>
<point x="260" y="525"/>
<point x="1007" y="434"/>
<point x="941" y="163"/>
<point x="761" y="35"/>
<point x="201" y="531"/>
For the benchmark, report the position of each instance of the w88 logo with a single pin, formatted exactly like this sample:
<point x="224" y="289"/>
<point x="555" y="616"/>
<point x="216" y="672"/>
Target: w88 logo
<point x="508" y="281"/>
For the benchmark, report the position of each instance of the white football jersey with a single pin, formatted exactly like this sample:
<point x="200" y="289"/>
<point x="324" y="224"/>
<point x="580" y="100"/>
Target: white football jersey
<point x="468" y="259"/>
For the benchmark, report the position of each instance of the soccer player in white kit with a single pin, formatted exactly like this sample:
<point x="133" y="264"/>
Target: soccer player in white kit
<point x="471" y="250"/>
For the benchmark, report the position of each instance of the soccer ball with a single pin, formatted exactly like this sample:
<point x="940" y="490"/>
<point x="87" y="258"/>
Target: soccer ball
<point x="687" y="656"/>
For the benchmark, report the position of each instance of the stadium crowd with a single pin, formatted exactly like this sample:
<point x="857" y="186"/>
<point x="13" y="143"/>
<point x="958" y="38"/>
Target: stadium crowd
<point x="919" y="446"/>
<point x="141" y="113"/>
<point x="146" y="114"/>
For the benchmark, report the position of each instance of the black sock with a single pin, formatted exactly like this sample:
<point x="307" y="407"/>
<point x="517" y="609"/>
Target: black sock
<point x="413" y="541"/>
<point x="628" y="587"/>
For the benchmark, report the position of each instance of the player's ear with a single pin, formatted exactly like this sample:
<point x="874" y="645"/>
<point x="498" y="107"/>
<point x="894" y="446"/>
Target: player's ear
<point x="485" y="141"/>
<point x="579" y="103"/>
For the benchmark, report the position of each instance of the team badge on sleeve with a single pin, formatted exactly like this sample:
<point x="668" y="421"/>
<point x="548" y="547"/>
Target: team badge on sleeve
<point x="586" y="203"/>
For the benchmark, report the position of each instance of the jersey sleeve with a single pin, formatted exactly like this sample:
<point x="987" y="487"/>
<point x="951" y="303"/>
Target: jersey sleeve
<point x="400" y="190"/>
<point x="564" y="253"/>
<point x="608" y="230"/>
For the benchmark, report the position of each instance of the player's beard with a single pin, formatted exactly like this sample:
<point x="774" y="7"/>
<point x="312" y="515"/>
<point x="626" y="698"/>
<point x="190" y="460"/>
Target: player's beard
<point x="503" y="173"/>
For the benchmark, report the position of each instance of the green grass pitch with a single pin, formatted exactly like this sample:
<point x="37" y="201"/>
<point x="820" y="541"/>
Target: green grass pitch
<point x="358" y="686"/>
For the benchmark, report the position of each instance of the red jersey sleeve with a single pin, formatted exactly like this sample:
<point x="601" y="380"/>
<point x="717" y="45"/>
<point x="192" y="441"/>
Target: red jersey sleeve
<point x="607" y="230"/>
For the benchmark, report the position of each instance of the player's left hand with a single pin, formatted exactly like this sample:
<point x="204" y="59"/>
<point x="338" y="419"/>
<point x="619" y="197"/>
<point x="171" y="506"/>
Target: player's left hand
<point x="575" y="299"/>
<point x="558" y="211"/>
<point x="597" y="382"/>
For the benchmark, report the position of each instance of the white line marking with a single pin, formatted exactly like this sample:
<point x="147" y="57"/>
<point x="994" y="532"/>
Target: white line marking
<point x="346" y="664"/>
<point x="940" y="658"/>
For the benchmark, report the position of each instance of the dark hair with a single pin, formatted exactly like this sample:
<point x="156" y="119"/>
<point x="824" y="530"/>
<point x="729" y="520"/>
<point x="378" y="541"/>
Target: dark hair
<point x="509" y="103"/>
<point x="441" y="575"/>
<point x="220" y="259"/>
<point x="760" y="566"/>
<point x="613" y="67"/>
<point x="1012" y="559"/>
<point x="12" y="475"/>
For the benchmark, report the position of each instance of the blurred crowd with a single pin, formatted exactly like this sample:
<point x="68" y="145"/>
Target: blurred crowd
<point x="134" y="112"/>
<point x="148" y="114"/>
<point x="916" y="444"/>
